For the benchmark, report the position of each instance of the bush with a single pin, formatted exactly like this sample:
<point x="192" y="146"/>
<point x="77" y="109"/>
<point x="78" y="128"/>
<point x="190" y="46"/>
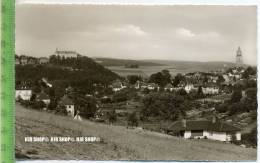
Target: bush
<point x="38" y="105"/>
<point x="112" y="117"/>
<point x="250" y="138"/>
<point x="132" y="120"/>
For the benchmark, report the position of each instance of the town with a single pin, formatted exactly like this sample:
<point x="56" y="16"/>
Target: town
<point x="219" y="104"/>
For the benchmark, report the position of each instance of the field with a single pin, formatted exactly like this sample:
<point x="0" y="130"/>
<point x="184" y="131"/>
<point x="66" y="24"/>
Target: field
<point x="119" y="143"/>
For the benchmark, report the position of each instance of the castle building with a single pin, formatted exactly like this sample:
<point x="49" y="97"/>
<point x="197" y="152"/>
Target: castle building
<point x="66" y="54"/>
<point x="239" y="61"/>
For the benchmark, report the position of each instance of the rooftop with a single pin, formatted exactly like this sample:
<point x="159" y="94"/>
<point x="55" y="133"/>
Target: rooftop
<point x="203" y="125"/>
<point x="66" y="100"/>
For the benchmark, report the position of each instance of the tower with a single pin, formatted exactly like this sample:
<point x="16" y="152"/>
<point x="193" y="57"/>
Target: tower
<point x="239" y="60"/>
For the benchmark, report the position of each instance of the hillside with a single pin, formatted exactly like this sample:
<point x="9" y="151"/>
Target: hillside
<point x="73" y="70"/>
<point x="118" y="142"/>
<point x="123" y="62"/>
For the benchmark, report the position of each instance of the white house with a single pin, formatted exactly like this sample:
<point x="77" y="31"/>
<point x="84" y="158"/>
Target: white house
<point x="189" y="87"/>
<point x="153" y="86"/>
<point x="210" y="90"/>
<point x="117" y="86"/>
<point x="213" y="130"/>
<point x="69" y="105"/>
<point x="67" y="53"/>
<point x="43" y="60"/>
<point x="23" y="93"/>
<point x="169" y="87"/>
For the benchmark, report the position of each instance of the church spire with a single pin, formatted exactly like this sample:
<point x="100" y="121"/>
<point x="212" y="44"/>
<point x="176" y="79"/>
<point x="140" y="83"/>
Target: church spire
<point x="239" y="60"/>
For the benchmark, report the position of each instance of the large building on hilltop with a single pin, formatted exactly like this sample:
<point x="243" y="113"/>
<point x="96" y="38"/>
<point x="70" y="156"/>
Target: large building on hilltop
<point x="66" y="53"/>
<point x="239" y="60"/>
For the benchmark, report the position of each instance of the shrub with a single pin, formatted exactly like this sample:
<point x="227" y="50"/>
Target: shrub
<point x="132" y="120"/>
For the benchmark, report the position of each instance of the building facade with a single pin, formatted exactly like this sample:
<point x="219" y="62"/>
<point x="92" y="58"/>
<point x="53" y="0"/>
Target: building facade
<point x="213" y="130"/>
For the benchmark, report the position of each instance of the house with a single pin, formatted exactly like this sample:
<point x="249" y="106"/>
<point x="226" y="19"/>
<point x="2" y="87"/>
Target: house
<point x="189" y="87"/>
<point x="67" y="53"/>
<point x="69" y="105"/>
<point x="211" y="89"/>
<point x="43" y="60"/>
<point x="117" y="86"/>
<point x="32" y="61"/>
<point x="213" y="130"/>
<point x="23" y="93"/>
<point x="169" y="87"/>
<point x="23" y="60"/>
<point x="153" y="86"/>
<point x="17" y="61"/>
<point x="139" y="84"/>
<point x="43" y="97"/>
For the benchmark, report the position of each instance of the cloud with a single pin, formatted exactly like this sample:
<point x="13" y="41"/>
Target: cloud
<point x="185" y="32"/>
<point x="130" y="29"/>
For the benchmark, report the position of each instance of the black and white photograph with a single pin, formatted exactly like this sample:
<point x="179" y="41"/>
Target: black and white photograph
<point x="135" y="82"/>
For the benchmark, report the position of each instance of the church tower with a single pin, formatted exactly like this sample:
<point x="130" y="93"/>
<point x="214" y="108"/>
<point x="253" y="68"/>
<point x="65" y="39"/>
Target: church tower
<point x="239" y="61"/>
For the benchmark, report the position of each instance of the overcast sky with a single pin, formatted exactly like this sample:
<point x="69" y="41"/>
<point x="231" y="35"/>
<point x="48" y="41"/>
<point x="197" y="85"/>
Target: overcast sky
<point x="193" y="33"/>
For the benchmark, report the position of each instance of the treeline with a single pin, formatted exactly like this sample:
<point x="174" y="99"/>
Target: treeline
<point x="82" y="74"/>
<point x="165" y="106"/>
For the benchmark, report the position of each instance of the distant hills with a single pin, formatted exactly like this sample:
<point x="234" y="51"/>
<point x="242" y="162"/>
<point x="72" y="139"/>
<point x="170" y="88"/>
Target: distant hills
<point x="148" y="67"/>
<point x="123" y="62"/>
<point x="196" y="65"/>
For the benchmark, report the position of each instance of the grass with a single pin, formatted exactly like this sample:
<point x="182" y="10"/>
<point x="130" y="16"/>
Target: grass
<point x="120" y="143"/>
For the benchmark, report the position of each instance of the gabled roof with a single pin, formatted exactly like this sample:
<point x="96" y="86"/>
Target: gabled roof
<point x="65" y="100"/>
<point x="203" y="125"/>
<point x="42" y="96"/>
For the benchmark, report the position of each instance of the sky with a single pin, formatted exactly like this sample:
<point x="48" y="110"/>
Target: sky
<point x="187" y="33"/>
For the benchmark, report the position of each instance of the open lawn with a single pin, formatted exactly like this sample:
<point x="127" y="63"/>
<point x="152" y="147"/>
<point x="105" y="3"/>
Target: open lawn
<point x="119" y="143"/>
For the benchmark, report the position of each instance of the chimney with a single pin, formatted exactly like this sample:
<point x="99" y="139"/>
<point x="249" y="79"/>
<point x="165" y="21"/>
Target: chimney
<point x="184" y="124"/>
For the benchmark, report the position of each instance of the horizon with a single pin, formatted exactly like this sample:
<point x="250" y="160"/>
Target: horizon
<point x="176" y="33"/>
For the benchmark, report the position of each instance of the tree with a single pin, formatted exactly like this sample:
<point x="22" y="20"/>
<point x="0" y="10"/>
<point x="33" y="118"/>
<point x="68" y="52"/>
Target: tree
<point x="250" y="138"/>
<point x="182" y="92"/>
<point x="38" y="105"/>
<point x="251" y="93"/>
<point x="163" y="105"/>
<point x="134" y="78"/>
<point x="236" y="96"/>
<point x="220" y="79"/>
<point x="146" y="91"/>
<point x="53" y="103"/>
<point x="161" y="78"/>
<point x="87" y="106"/>
<point x="178" y="78"/>
<point x="61" y="109"/>
<point x="112" y="117"/>
<point x="200" y="93"/>
<point x="132" y="120"/>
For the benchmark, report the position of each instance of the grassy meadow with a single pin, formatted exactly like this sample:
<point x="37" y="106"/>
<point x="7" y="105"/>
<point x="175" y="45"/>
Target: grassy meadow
<point x="119" y="143"/>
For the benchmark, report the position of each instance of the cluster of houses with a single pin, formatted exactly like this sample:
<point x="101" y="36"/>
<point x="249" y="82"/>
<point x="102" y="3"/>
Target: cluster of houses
<point x="26" y="60"/>
<point x="209" y="82"/>
<point x="25" y="93"/>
